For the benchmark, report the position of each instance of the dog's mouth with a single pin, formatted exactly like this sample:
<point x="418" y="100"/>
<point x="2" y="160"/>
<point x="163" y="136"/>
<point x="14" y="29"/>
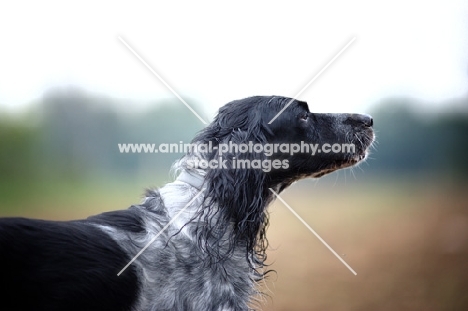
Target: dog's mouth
<point x="362" y="142"/>
<point x="357" y="158"/>
<point x="340" y="164"/>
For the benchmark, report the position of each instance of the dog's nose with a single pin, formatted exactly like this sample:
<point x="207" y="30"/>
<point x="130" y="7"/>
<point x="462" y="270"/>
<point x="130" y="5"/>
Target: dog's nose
<point x="362" y="119"/>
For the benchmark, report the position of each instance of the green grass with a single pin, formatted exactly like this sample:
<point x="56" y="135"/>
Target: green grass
<point x="63" y="200"/>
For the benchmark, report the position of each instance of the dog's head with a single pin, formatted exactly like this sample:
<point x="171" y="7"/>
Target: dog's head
<point x="319" y="143"/>
<point x="259" y="143"/>
<point x="281" y="137"/>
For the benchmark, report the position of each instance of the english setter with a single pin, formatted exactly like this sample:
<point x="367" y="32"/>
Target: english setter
<point x="199" y="242"/>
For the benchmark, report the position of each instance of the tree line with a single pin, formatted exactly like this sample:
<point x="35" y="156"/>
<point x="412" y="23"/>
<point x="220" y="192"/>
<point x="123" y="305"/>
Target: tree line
<point x="71" y="133"/>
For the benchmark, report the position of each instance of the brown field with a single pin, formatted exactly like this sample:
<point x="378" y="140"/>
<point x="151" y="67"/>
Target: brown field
<point x="408" y="245"/>
<point x="408" y="242"/>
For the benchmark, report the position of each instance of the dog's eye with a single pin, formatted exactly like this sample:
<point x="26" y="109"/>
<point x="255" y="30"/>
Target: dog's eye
<point x="305" y="116"/>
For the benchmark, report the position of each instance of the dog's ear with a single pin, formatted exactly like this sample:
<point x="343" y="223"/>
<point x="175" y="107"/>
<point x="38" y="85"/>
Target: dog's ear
<point x="237" y="188"/>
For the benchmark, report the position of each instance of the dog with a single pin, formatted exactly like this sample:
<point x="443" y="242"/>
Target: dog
<point x="197" y="243"/>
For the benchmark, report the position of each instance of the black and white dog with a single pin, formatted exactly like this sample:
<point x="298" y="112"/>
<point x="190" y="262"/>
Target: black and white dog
<point x="200" y="241"/>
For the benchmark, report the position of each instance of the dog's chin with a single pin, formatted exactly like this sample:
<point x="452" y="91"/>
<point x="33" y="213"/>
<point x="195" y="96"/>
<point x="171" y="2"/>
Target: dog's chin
<point x="355" y="159"/>
<point x="347" y="162"/>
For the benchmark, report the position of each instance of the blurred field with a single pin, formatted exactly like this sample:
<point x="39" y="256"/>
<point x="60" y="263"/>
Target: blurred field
<point x="407" y="241"/>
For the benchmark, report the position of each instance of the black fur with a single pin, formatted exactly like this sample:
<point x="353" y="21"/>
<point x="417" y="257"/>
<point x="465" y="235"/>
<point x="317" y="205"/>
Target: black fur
<point x="62" y="266"/>
<point x="208" y="259"/>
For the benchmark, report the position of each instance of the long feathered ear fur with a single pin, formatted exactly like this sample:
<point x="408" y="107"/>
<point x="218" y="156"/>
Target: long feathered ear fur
<point x="236" y="198"/>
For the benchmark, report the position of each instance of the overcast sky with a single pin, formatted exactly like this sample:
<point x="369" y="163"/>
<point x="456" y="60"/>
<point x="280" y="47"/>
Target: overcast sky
<point x="217" y="53"/>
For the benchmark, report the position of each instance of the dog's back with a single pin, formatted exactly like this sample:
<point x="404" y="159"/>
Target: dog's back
<point x="50" y="265"/>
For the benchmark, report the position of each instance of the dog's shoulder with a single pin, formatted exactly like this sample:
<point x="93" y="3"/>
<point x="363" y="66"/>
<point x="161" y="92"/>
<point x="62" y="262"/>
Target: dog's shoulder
<point x="130" y="219"/>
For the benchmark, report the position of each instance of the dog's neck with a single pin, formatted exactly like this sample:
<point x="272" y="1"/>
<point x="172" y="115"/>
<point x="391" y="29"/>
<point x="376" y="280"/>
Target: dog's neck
<point x="192" y="178"/>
